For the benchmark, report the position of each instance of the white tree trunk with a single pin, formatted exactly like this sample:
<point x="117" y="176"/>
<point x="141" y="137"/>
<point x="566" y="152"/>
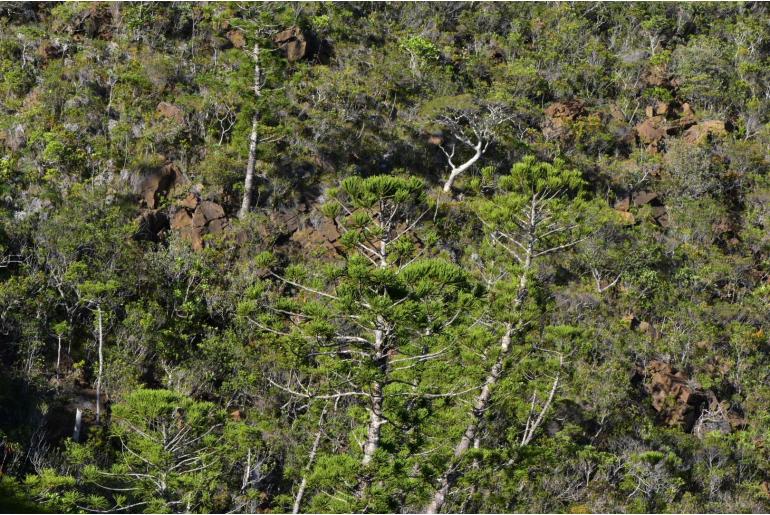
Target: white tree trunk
<point x="58" y="356"/>
<point x="309" y="466"/>
<point x="376" y="419"/>
<point x="457" y="170"/>
<point x="78" y="425"/>
<point x="481" y="404"/>
<point x="248" y="186"/>
<point x="479" y="407"/>
<point x="101" y="365"/>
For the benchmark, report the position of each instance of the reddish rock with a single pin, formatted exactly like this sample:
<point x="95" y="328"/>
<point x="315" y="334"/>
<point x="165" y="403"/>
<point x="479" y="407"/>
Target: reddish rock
<point x="194" y="219"/>
<point x="237" y="38"/>
<point x="190" y="202"/>
<point x="170" y="112"/>
<point x="623" y="204"/>
<point x="292" y="42"/>
<point x="181" y="220"/>
<point x="558" y="117"/>
<point x="321" y="238"/>
<point x="701" y="132"/>
<point x="659" y="109"/>
<point x="677" y="402"/>
<point x="644" y="197"/>
<point x="652" y="130"/>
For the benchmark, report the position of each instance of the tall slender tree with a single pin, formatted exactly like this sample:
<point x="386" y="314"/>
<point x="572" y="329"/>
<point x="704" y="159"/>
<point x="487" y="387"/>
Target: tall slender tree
<point x="534" y="213"/>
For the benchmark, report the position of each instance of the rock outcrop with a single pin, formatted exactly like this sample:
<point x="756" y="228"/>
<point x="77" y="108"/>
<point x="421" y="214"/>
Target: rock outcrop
<point x="639" y="199"/>
<point x="153" y="224"/>
<point x="663" y="119"/>
<point x="170" y="112"/>
<point x="320" y="236"/>
<point x="195" y="219"/>
<point x="558" y="117"/>
<point x="674" y="398"/>
<point x="701" y="132"/>
<point x="297" y="45"/>
<point x="158" y="184"/>
<point x="14" y="138"/>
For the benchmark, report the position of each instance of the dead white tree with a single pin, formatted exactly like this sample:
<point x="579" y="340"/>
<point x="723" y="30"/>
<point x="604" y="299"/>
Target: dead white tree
<point x="474" y="130"/>
<point x="248" y="186"/>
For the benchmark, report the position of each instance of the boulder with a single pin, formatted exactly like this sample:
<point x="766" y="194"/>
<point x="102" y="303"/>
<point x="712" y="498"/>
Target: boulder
<point x="190" y="202"/>
<point x="14" y="138"/>
<point x="237" y="38"/>
<point x="644" y="197"/>
<point x="292" y="42"/>
<point x="296" y="45"/>
<point x="559" y="115"/>
<point x="673" y="397"/>
<point x="158" y="184"/>
<point x="652" y="131"/>
<point x="193" y="224"/>
<point x="701" y="132"/>
<point x="659" y="109"/>
<point x="320" y="236"/>
<point x="170" y="112"/>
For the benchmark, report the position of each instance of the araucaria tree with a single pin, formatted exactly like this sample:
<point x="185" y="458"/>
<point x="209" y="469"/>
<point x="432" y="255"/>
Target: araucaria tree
<point x="363" y="330"/>
<point x="535" y="212"/>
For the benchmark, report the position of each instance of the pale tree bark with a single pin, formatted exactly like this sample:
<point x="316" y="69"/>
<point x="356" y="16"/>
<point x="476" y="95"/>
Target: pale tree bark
<point x="475" y="130"/>
<point x="377" y="402"/>
<point x="78" y="425"/>
<point x="533" y="229"/>
<point x="456" y="170"/>
<point x="309" y="466"/>
<point x="58" y="355"/>
<point x="248" y="186"/>
<point x="101" y="364"/>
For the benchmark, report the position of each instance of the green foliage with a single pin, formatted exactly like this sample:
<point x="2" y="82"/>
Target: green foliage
<point x="358" y="303"/>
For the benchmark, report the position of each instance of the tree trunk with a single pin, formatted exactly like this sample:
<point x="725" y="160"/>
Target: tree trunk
<point x="449" y="476"/>
<point x="375" y="423"/>
<point x="376" y="420"/>
<point x="78" y="425"/>
<point x="101" y="365"/>
<point x="479" y="407"/>
<point x="456" y="171"/>
<point x="58" y="356"/>
<point x="248" y="186"/>
<point x="309" y="466"/>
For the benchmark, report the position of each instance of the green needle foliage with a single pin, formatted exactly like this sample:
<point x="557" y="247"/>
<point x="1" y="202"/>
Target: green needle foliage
<point x="444" y="257"/>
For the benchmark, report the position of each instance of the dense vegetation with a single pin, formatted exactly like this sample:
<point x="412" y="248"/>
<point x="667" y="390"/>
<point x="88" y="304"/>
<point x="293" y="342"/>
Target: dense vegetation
<point x="384" y="257"/>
